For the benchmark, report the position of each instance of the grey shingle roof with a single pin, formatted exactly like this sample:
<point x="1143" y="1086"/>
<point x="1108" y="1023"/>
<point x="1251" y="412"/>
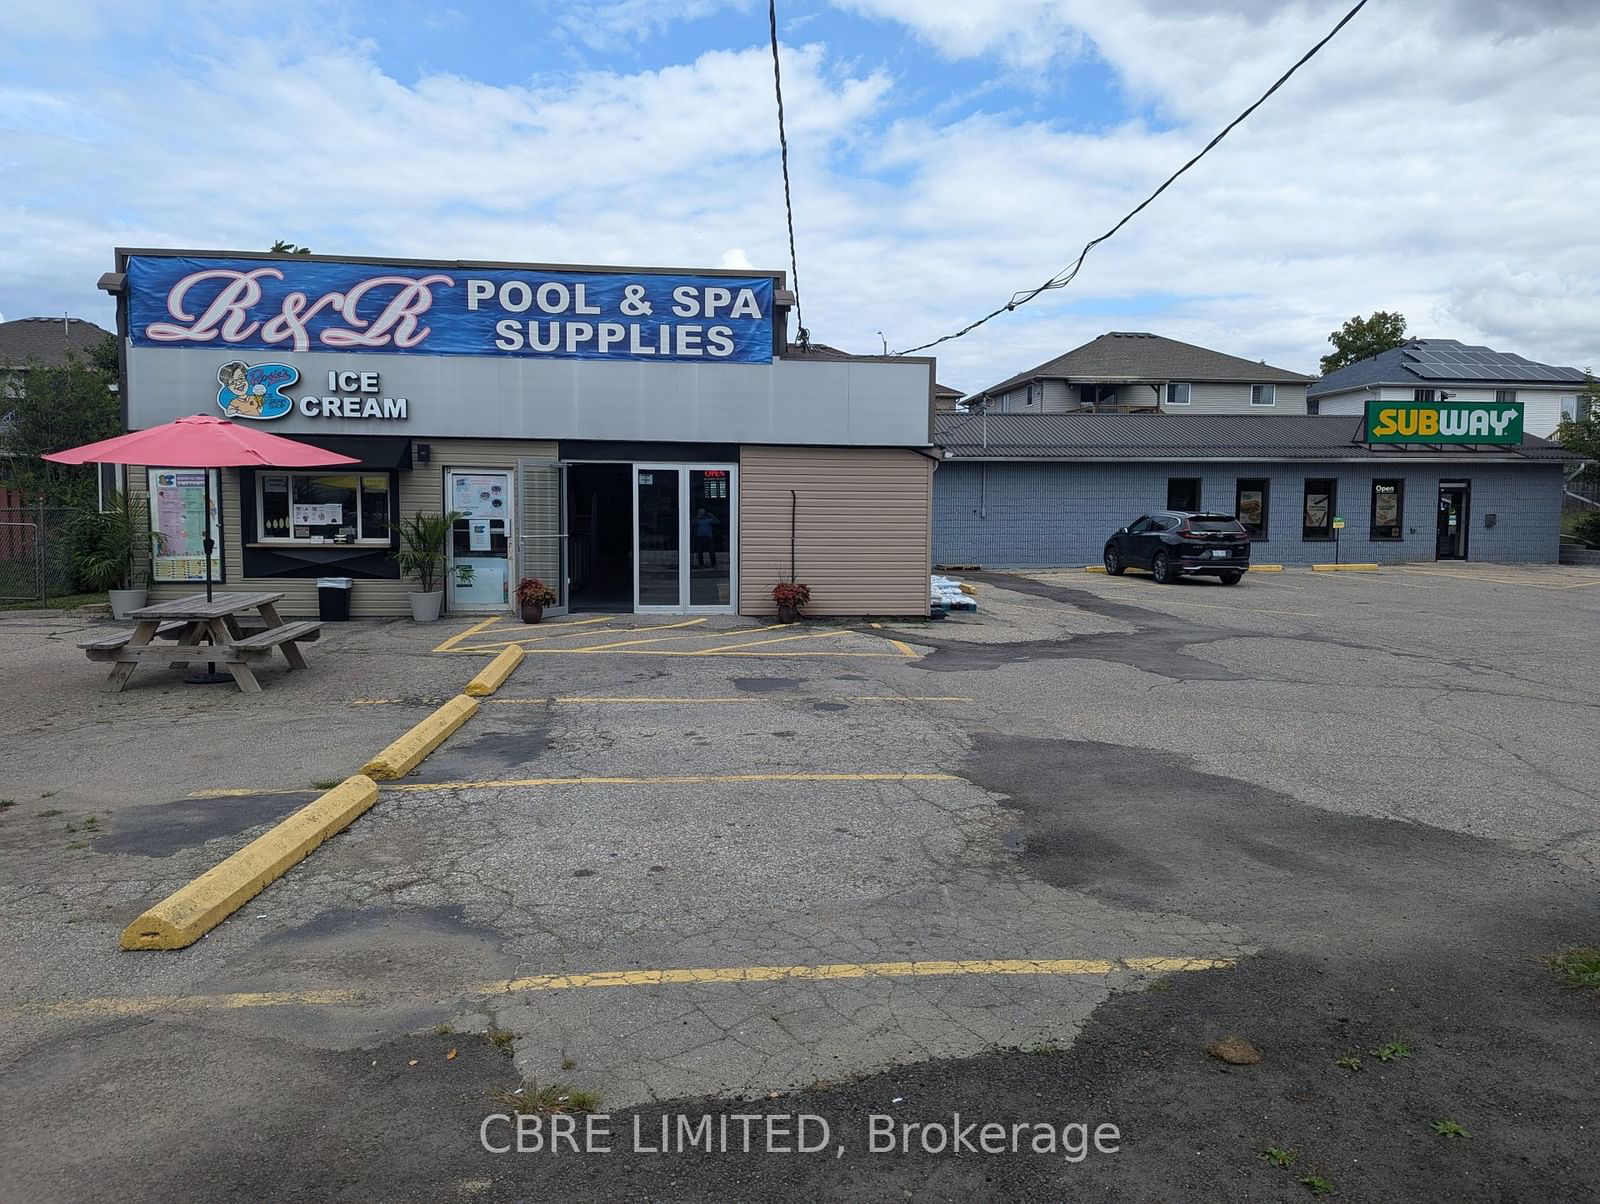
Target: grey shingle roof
<point x="1089" y="436"/>
<point x="46" y="340"/>
<point x="1140" y="356"/>
<point x="1442" y="361"/>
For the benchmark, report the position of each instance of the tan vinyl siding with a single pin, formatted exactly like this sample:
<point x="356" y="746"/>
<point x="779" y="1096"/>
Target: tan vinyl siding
<point x="1210" y="397"/>
<point x="421" y="490"/>
<point x="863" y="530"/>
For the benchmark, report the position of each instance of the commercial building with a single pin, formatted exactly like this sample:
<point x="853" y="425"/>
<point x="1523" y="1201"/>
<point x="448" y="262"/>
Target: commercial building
<point x="641" y="439"/>
<point x="1047" y="489"/>
<point x="1428" y="370"/>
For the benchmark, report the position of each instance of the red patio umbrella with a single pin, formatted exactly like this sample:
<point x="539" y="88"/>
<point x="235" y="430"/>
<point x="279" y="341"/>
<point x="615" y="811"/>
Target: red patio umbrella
<point x="202" y="441"/>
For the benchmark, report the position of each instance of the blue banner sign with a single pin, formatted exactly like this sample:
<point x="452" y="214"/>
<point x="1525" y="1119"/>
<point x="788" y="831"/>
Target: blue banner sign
<point x="314" y="305"/>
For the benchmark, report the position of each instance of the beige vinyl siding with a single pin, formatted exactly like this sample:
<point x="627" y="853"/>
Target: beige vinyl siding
<point x="863" y="529"/>
<point x="1211" y="397"/>
<point x="421" y="490"/>
<point x="1059" y="396"/>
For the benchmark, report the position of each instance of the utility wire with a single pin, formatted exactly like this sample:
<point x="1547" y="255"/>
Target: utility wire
<point x="1065" y="277"/>
<point x="802" y="336"/>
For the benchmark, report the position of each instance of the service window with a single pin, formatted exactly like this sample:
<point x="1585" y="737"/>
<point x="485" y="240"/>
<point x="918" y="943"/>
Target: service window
<point x="1321" y="497"/>
<point x="1183" y="493"/>
<point x="304" y="507"/>
<point x="1388" y="509"/>
<point x="1250" y="504"/>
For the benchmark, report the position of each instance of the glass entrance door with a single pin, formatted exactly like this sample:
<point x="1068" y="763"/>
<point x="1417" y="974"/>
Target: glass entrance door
<point x="478" y="574"/>
<point x="658" y="525"/>
<point x="686" y="537"/>
<point x="1453" y="507"/>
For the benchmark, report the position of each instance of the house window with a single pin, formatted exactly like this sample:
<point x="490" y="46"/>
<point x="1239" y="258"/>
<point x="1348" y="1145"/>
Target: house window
<point x="1424" y="395"/>
<point x="1322" y="494"/>
<point x="300" y="507"/>
<point x="1504" y="397"/>
<point x="1183" y="493"/>
<point x="1250" y="504"/>
<point x="1388" y="508"/>
<point x="1263" y="395"/>
<point x="1178" y="394"/>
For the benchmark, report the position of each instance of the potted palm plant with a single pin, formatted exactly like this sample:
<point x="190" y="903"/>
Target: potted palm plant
<point x="422" y="556"/>
<point x="104" y="547"/>
<point x="790" y="597"/>
<point x="533" y="596"/>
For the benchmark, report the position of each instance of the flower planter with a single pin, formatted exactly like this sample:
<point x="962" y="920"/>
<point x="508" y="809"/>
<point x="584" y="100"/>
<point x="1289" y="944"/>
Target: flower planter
<point x="425" y="607"/>
<point x="124" y="600"/>
<point x="788" y="614"/>
<point x="532" y="612"/>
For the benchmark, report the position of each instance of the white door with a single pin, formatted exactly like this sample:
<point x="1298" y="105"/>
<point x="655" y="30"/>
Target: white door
<point x="478" y="573"/>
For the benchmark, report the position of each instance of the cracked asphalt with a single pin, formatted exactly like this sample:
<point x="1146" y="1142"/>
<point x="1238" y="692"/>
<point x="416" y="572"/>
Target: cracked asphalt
<point x="1369" y="798"/>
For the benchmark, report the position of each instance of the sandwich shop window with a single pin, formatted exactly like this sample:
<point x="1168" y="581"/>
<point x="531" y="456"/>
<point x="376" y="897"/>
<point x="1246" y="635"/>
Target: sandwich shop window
<point x="1388" y="509"/>
<point x="1250" y="504"/>
<point x="323" y="508"/>
<point x="1321" y="499"/>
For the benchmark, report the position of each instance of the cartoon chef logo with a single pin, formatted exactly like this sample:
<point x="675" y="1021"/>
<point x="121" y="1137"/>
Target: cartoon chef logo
<point x="255" y="390"/>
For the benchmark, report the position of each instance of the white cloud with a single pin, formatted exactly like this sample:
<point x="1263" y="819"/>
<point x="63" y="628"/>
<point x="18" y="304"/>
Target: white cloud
<point x="1437" y="165"/>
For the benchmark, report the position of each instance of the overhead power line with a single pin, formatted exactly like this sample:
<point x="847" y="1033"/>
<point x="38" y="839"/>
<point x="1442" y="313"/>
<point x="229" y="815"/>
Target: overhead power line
<point x="802" y="336"/>
<point x="1065" y="277"/>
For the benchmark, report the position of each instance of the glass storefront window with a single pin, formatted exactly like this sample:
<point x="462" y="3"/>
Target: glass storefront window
<point x="324" y="507"/>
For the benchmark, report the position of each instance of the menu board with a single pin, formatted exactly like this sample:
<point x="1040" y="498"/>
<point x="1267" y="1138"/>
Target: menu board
<point x="178" y="523"/>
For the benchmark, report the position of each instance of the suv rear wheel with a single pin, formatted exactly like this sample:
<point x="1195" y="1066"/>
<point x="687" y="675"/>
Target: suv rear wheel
<point x="1229" y="578"/>
<point x="1161" y="568"/>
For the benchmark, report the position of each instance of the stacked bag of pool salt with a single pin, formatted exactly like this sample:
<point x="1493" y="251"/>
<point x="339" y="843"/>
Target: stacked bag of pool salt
<point x="947" y="594"/>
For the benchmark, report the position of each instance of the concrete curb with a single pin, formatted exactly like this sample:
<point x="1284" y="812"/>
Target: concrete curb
<point x="1265" y="568"/>
<point x="191" y="911"/>
<point x="494" y="674"/>
<point x="401" y="757"/>
<point x="1344" y="568"/>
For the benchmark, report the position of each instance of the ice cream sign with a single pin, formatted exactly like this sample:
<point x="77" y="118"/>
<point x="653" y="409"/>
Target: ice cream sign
<point x="1443" y="422"/>
<point x="255" y="391"/>
<point x="297" y="304"/>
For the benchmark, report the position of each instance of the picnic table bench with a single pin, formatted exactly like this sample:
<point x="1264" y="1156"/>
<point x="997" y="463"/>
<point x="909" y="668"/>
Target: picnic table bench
<point x="205" y="630"/>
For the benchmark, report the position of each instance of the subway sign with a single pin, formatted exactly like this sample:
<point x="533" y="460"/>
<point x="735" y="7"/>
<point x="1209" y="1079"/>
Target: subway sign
<point x="1444" y="422"/>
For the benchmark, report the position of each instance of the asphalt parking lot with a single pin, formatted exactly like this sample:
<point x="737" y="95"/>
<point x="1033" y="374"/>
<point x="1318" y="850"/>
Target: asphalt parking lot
<point x="1024" y="864"/>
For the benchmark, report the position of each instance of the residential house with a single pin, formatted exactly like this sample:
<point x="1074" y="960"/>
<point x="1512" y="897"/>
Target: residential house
<point x="24" y="344"/>
<point x="1450" y="370"/>
<point x="1128" y="371"/>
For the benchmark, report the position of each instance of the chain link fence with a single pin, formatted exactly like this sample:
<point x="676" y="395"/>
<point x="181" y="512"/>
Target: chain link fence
<point x="34" y="562"/>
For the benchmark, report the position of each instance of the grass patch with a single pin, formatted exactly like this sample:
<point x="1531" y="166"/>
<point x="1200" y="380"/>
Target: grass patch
<point x="500" y="1038"/>
<point x="325" y="783"/>
<point x="1317" y="1185"/>
<point x="1348" y="1062"/>
<point x="443" y="1030"/>
<point x="6" y="803"/>
<point x="1279" y="1155"/>
<point x="64" y="602"/>
<point x="1044" y="1049"/>
<point x="1579" y="967"/>
<point x="1392" y="1051"/>
<point x="49" y="812"/>
<point x="1449" y="1128"/>
<point x="530" y="1099"/>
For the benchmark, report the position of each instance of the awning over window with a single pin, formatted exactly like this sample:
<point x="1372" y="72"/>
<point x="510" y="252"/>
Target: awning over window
<point x="374" y="451"/>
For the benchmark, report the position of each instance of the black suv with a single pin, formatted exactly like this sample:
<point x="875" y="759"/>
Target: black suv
<point x="1174" y="543"/>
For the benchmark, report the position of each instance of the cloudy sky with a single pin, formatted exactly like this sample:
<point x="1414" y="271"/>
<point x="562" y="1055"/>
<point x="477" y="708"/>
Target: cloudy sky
<point x="1440" y="157"/>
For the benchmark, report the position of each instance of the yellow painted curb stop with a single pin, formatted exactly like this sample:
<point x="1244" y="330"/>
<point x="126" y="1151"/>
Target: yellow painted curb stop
<point x="494" y="674"/>
<point x="1344" y="568"/>
<point x="406" y="753"/>
<point x="190" y="912"/>
<point x="1266" y="568"/>
<point x="1094" y="568"/>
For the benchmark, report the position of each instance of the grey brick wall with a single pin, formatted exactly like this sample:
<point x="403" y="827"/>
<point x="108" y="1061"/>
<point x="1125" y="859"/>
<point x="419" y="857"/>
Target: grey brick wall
<point x="1022" y="515"/>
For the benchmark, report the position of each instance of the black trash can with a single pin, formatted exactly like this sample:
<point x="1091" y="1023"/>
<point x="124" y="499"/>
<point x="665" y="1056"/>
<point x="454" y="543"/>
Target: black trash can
<point x="333" y="598"/>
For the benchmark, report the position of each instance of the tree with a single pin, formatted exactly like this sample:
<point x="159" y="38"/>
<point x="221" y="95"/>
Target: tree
<point x="288" y="248"/>
<point x="1360" y="337"/>
<point x="56" y="408"/>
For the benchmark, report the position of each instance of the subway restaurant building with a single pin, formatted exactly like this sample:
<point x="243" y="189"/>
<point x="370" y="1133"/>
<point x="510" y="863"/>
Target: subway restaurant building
<point x="640" y="439"/>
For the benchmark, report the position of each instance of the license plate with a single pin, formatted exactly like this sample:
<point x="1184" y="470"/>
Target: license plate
<point x="1220" y="552"/>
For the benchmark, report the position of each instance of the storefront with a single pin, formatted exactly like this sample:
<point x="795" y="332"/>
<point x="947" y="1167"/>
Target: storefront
<point x="639" y="439"/>
<point x="1024" y="490"/>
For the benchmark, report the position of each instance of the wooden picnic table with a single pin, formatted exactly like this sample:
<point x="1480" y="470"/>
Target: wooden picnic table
<point x="204" y="631"/>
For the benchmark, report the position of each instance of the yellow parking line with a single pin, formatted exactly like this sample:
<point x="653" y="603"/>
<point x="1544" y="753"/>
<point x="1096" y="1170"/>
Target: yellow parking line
<point x="680" y="779"/>
<point x="781" y="639"/>
<point x="537" y="639"/>
<point x="461" y="635"/>
<point x="1517" y="581"/>
<point x="142" y="1005"/>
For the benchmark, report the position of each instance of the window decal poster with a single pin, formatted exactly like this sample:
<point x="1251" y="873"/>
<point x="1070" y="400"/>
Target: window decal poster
<point x="317" y="305"/>
<point x="178" y="525"/>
